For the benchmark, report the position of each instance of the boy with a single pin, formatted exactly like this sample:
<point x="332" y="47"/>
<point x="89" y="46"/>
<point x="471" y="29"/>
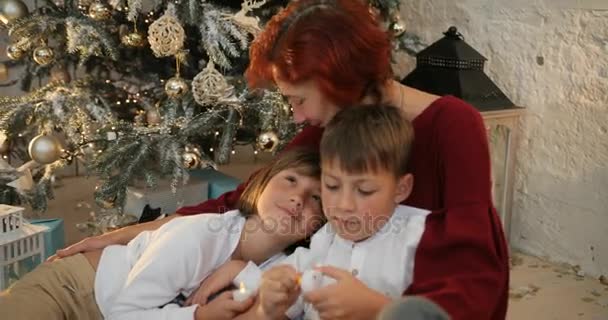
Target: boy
<point x="366" y="252"/>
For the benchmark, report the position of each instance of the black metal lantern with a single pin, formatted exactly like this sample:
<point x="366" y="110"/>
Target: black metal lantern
<point x="451" y="67"/>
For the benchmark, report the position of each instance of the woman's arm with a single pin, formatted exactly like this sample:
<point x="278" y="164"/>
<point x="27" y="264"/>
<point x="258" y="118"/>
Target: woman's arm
<point x="119" y="236"/>
<point x="471" y="281"/>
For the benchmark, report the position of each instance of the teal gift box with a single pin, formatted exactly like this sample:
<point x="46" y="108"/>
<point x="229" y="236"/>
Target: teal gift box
<point x="54" y="237"/>
<point x="219" y="183"/>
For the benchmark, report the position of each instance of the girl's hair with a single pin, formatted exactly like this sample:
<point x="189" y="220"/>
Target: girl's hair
<point x="305" y="161"/>
<point x="337" y="43"/>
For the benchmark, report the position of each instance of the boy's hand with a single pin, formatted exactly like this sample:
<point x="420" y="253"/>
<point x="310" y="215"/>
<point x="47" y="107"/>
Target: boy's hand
<point x="218" y="280"/>
<point x="278" y="291"/>
<point x="222" y="307"/>
<point x="348" y="298"/>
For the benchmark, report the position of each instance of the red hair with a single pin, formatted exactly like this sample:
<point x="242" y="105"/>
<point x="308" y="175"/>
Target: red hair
<point x="338" y="44"/>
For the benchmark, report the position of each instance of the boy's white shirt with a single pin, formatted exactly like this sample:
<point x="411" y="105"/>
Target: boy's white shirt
<point x="384" y="262"/>
<point x="132" y="281"/>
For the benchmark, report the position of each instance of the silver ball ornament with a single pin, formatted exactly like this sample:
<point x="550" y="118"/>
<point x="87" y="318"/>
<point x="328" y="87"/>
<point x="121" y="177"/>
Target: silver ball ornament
<point x="268" y="141"/>
<point x="45" y="149"/>
<point x="99" y="11"/>
<point x="43" y="55"/>
<point x="176" y="87"/>
<point x="11" y="10"/>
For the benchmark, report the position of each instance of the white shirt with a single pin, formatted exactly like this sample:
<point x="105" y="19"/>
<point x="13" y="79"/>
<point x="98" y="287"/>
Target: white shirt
<point x="384" y="262"/>
<point x="132" y="281"/>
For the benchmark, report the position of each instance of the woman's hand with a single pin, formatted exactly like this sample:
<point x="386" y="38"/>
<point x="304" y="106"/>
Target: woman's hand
<point x="348" y="298"/>
<point x="218" y="280"/>
<point x="120" y="236"/>
<point x="85" y="245"/>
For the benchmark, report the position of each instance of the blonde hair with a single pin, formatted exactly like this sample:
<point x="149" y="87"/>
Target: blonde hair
<point x="304" y="160"/>
<point x="368" y="138"/>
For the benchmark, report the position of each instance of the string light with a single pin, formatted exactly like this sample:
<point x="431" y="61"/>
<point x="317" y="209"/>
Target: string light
<point x="233" y="152"/>
<point x="118" y="102"/>
<point x="210" y="149"/>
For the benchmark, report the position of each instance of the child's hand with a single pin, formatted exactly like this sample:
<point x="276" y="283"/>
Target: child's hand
<point x="218" y="280"/>
<point x="278" y="291"/>
<point x="222" y="307"/>
<point x="348" y="298"/>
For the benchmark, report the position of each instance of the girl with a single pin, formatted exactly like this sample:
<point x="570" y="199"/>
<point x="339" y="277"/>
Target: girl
<point x="280" y="207"/>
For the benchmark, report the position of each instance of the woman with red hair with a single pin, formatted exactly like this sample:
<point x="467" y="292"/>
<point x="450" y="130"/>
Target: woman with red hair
<point x="324" y="55"/>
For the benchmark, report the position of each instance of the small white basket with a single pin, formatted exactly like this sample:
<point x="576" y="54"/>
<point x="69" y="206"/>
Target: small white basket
<point x="21" y="245"/>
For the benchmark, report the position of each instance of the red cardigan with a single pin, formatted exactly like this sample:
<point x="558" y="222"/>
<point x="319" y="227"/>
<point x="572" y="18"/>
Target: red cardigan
<point x="462" y="260"/>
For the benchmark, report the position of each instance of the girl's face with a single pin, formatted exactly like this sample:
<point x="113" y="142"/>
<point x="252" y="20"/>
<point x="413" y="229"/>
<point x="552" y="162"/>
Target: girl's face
<point x="307" y="101"/>
<point x="290" y="205"/>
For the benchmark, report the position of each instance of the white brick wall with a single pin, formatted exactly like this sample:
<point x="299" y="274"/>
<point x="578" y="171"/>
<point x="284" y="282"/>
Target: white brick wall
<point x="552" y="57"/>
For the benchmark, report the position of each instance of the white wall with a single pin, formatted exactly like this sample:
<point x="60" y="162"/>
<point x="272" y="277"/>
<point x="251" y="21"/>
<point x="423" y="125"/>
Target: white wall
<point x="560" y="206"/>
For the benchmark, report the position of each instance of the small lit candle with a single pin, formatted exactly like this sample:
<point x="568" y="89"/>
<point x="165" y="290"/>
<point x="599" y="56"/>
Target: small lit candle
<point x="311" y="280"/>
<point x="241" y="294"/>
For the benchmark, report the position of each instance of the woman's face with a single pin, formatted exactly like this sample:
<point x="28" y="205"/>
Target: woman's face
<point x="290" y="204"/>
<point x="307" y="101"/>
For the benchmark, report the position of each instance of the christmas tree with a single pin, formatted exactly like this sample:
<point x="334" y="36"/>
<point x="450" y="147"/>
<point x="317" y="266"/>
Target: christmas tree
<point x="138" y="90"/>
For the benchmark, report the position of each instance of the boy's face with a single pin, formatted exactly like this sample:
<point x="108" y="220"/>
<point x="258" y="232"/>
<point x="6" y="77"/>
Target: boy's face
<point x="358" y="205"/>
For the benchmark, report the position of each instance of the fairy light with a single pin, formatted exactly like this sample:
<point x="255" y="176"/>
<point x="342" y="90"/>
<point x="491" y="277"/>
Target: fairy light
<point x="118" y="102"/>
<point x="210" y="149"/>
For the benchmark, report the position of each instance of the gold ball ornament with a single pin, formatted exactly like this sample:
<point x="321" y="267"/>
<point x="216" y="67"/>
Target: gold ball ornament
<point x="14" y="53"/>
<point x="191" y="159"/>
<point x="397" y="26"/>
<point x="11" y="10"/>
<point x="5" y="147"/>
<point x="45" y="149"/>
<point x="134" y="39"/>
<point x="99" y="11"/>
<point x="176" y="87"/>
<point x="153" y="117"/>
<point x="60" y="74"/>
<point x="3" y="72"/>
<point x="268" y="141"/>
<point x="43" y="55"/>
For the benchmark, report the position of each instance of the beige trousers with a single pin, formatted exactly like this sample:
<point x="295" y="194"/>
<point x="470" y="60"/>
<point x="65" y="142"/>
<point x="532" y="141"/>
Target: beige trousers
<point x="62" y="289"/>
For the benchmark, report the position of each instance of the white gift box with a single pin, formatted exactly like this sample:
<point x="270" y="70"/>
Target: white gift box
<point x="21" y="245"/>
<point x="194" y="192"/>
